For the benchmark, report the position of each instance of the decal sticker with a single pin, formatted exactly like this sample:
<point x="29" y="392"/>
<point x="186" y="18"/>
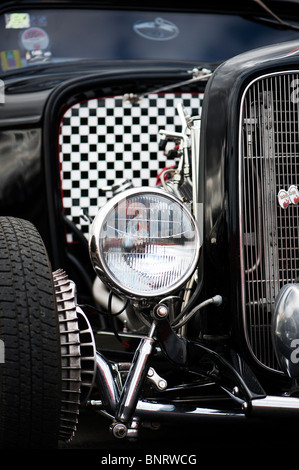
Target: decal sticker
<point x="295" y="93"/>
<point x="157" y="30"/>
<point x="35" y="39"/>
<point x="291" y="196"/>
<point x="38" y="56"/>
<point x="17" y="20"/>
<point x="38" y="20"/>
<point x="294" y="194"/>
<point x="283" y="198"/>
<point x="10" y="60"/>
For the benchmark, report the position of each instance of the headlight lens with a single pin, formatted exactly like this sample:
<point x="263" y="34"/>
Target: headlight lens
<point x="145" y="243"/>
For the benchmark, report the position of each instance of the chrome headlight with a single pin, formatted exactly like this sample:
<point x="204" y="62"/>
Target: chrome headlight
<point x="285" y="329"/>
<point x="144" y="243"/>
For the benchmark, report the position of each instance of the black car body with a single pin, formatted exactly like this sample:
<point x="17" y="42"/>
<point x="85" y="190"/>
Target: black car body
<point x="86" y="89"/>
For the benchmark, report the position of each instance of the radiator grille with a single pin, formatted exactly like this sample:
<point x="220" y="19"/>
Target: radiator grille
<point x="269" y="162"/>
<point x="106" y="140"/>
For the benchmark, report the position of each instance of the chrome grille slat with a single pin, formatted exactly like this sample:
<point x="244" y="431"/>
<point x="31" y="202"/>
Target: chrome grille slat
<point x="269" y="239"/>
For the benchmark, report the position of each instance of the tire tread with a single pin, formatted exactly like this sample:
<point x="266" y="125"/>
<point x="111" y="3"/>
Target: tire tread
<point x="30" y="376"/>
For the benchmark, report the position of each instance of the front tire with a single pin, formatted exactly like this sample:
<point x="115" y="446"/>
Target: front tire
<point x="30" y="368"/>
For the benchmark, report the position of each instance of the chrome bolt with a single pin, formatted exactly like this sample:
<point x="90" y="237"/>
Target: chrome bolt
<point x="162" y="311"/>
<point x="119" y="430"/>
<point x="162" y="384"/>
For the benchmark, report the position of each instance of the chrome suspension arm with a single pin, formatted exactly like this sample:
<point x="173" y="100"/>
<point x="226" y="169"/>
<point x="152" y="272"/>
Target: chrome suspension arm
<point x="135" y="378"/>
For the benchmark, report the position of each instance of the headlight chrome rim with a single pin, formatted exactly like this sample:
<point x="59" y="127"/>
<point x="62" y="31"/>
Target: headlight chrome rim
<point x="97" y="258"/>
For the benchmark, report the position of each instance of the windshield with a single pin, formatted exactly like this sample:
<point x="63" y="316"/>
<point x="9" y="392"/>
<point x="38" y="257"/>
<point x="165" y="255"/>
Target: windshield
<point x="56" y="36"/>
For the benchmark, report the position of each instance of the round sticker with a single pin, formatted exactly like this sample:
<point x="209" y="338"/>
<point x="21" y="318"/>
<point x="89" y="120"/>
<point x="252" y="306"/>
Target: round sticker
<point x="157" y="30"/>
<point x="35" y="39"/>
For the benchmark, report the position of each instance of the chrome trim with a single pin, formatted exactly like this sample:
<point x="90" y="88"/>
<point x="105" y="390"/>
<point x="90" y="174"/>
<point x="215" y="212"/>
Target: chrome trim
<point x="106" y="383"/>
<point x="271" y="406"/>
<point x="168" y="412"/>
<point x="276" y="146"/>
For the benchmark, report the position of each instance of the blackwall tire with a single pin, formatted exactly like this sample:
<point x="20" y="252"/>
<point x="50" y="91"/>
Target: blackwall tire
<point x="30" y="359"/>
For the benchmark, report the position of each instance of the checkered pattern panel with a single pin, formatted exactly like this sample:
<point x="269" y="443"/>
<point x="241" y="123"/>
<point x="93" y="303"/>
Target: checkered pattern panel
<point x="103" y="141"/>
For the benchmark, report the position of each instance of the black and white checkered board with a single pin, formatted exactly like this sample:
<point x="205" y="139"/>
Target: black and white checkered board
<point x="103" y="141"/>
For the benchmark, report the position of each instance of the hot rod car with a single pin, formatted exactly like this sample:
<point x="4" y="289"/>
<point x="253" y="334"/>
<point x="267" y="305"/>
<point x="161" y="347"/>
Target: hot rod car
<point x="149" y="197"/>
